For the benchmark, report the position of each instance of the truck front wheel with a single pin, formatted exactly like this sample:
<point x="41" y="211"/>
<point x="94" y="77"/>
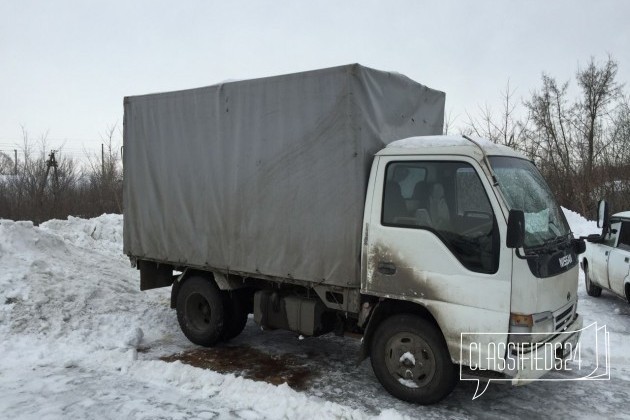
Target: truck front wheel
<point x="411" y="360"/>
<point x="200" y="311"/>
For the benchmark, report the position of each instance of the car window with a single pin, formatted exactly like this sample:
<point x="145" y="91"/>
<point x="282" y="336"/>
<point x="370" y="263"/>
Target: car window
<point x="624" y="236"/>
<point x="611" y="238"/>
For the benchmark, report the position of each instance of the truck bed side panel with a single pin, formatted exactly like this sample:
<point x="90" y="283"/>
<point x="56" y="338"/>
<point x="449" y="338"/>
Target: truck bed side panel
<point x="267" y="175"/>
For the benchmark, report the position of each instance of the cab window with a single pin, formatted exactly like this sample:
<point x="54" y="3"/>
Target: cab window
<point x="448" y="199"/>
<point x="624" y="236"/>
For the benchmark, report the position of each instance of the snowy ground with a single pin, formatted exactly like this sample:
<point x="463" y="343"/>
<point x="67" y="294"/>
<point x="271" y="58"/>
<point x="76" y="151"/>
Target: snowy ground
<point x="79" y="340"/>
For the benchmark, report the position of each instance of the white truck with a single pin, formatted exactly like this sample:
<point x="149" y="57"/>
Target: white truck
<point x="326" y="201"/>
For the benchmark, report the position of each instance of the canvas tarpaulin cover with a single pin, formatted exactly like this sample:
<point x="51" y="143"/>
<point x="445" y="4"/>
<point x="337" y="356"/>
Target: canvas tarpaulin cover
<point x="265" y="176"/>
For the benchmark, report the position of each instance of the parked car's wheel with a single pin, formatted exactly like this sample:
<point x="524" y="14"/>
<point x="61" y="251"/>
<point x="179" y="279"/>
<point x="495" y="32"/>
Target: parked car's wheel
<point x="591" y="289"/>
<point x="410" y="359"/>
<point x="200" y="311"/>
<point x="235" y="313"/>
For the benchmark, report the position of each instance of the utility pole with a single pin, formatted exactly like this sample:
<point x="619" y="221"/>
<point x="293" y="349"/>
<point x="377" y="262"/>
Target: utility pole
<point x="15" y="162"/>
<point x="50" y="163"/>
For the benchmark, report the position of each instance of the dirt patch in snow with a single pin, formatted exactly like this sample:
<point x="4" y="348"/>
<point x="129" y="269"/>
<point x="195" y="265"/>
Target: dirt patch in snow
<point x="250" y="363"/>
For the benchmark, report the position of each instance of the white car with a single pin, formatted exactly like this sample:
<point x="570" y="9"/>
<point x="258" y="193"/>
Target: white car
<point x="606" y="263"/>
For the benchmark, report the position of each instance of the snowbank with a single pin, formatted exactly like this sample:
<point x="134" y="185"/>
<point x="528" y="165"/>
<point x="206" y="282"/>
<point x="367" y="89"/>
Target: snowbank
<point x="579" y="225"/>
<point x="70" y="301"/>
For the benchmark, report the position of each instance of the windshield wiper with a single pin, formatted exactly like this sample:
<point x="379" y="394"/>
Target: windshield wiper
<point x="556" y="243"/>
<point x="550" y="245"/>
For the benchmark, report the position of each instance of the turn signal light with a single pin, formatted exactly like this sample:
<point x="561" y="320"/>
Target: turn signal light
<point x="518" y="320"/>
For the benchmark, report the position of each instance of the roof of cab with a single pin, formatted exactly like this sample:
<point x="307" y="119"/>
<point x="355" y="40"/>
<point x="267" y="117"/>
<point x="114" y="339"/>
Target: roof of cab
<point x="447" y="145"/>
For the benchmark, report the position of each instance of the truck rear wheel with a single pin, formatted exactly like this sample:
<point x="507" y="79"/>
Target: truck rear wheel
<point x="200" y="311"/>
<point x="411" y="360"/>
<point x="235" y="314"/>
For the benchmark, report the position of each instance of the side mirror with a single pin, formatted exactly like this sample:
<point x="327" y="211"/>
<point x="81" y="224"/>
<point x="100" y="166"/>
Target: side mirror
<point x="602" y="214"/>
<point x="579" y="246"/>
<point x="603" y="222"/>
<point x="593" y="237"/>
<point x="515" y="229"/>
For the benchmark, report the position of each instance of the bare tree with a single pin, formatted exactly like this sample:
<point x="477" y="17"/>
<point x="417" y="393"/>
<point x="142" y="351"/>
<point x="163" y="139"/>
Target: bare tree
<point x="573" y="136"/>
<point x="504" y="127"/>
<point x="580" y="144"/>
<point x="449" y="121"/>
<point x="600" y="91"/>
<point x="6" y="164"/>
<point x="105" y="174"/>
<point x="551" y="136"/>
<point x="43" y="187"/>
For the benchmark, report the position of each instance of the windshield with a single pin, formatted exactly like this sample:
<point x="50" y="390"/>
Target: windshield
<point x="525" y="189"/>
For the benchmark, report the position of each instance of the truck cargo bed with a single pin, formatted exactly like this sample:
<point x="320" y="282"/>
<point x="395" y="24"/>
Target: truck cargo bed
<point x="265" y="176"/>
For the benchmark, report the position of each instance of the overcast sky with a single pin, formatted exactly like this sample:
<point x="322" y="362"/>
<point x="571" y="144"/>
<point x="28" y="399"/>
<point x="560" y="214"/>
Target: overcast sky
<point x="65" y="66"/>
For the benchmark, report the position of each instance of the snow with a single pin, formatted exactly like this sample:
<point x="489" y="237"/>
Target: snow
<point x="449" y="141"/>
<point x="579" y="225"/>
<point x="79" y="340"/>
<point x="73" y="320"/>
<point x="407" y="357"/>
<point x="409" y="383"/>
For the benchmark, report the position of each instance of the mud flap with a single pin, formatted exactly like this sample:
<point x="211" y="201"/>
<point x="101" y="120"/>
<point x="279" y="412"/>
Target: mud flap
<point x="372" y="323"/>
<point x="177" y="284"/>
<point x="154" y="275"/>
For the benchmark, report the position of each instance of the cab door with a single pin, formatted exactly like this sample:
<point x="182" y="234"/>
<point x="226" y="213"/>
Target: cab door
<point x="434" y="238"/>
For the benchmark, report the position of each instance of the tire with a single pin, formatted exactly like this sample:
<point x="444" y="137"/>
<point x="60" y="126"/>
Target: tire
<point x="235" y="314"/>
<point x="591" y="289"/>
<point x="200" y="311"/>
<point x="421" y="383"/>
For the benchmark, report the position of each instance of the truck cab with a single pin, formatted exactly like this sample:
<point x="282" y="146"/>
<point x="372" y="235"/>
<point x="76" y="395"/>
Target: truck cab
<point x="436" y="220"/>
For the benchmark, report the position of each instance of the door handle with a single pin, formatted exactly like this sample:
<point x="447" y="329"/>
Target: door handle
<point x="606" y="253"/>
<point x="387" y="268"/>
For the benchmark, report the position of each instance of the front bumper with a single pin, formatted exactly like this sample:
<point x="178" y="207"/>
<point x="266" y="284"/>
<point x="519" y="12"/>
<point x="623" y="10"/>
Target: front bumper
<point x="535" y="363"/>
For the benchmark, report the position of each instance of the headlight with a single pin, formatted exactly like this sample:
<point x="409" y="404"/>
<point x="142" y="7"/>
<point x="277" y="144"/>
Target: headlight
<point x="543" y="323"/>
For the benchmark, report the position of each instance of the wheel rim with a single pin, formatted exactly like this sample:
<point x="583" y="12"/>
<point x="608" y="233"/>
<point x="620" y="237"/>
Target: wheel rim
<point x="410" y="360"/>
<point x="198" y="312"/>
